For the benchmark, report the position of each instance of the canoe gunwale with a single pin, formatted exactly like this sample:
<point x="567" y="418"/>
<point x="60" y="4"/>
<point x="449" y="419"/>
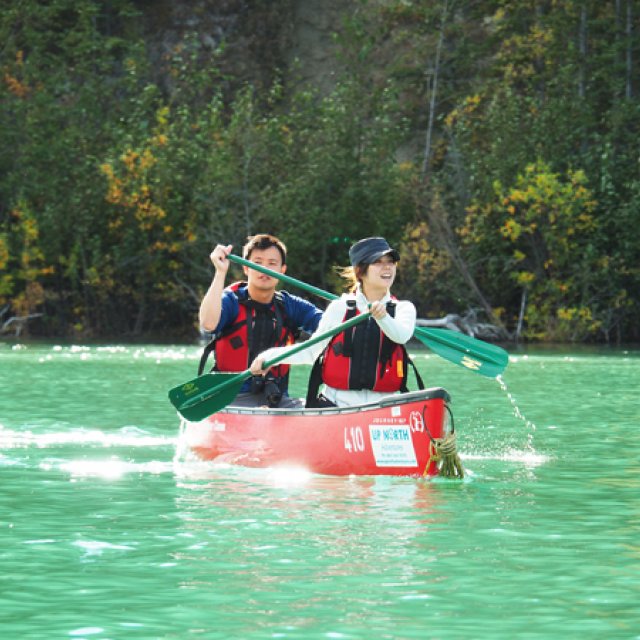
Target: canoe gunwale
<point x="397" y="399"/>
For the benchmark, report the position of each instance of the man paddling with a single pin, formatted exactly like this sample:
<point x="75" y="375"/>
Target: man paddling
<point x="248" y="317"/>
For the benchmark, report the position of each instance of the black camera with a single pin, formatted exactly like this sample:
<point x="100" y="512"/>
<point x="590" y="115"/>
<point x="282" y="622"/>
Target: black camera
<point x="269" y="386"/>
<point x="272" y="392"/>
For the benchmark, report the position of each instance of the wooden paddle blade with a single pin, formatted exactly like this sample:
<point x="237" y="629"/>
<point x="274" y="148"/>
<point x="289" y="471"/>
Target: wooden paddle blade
<point x="476" y="355"/>
<point x="199" y="398"/>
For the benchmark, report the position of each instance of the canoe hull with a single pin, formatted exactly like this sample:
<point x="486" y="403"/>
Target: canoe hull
<point x="390" y="437"/>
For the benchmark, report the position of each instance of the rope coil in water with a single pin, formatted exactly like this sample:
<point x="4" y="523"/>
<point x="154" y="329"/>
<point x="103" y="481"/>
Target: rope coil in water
<point x="443" y="451"/>
<point x="444" y="454"/>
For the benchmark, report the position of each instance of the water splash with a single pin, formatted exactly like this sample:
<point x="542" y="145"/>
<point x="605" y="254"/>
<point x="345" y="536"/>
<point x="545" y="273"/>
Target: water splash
<point x="182" y="448"/>
<point x="528" y="458"/>
<point x="529" y="425"/>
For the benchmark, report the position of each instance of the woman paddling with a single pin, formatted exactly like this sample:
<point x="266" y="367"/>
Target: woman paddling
<point x="369" y="360"/>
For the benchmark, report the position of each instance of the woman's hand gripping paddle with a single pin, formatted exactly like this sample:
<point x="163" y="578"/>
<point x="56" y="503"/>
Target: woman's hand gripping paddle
<point x="476" y="355"/>
<point x="205" y="395"/>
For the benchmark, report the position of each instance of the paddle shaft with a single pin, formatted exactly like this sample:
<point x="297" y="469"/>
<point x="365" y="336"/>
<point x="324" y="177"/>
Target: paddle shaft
<point x="243" y="375"/>
<point x="495" y="357"/>
<point x="284" y="277"/>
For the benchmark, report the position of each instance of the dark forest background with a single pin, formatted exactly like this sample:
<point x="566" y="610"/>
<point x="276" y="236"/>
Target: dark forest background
<point x="494" y="142"/>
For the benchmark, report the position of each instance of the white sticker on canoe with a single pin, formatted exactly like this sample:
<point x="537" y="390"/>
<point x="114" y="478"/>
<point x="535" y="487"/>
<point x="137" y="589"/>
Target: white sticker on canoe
<point x="392" y="445"/>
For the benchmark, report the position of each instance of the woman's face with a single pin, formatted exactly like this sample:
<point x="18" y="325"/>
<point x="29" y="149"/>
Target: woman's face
<point x="380" y="273"/>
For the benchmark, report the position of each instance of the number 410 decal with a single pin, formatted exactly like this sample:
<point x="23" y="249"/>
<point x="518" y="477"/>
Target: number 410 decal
<point x="353" y="439"/>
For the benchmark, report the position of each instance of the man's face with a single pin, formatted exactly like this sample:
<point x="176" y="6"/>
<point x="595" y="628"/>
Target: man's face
<point x="269" y="258"/>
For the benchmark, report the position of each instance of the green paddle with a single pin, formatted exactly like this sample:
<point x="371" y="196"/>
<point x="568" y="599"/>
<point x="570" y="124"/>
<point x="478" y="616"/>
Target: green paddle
<point x="209" y="393"/>
<point x="476" y="355"/>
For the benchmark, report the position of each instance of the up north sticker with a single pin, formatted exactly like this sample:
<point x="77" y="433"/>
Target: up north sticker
<point x="392" y="445"/>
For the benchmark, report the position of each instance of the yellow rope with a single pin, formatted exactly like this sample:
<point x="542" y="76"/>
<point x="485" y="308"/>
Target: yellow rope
<point x="444" y="454"/>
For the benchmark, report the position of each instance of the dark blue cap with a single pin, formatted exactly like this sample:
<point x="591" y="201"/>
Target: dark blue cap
<point x="369" y="250"/>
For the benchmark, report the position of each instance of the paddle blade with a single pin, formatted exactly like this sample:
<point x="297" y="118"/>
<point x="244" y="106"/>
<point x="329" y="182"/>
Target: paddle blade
<point x="201" y="397"/>
<point x="476" y="355"/>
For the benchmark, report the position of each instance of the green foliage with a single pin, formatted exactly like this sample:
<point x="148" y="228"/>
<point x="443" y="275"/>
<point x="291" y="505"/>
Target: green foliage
<point x="554" y="89"/>
<point x="540" y="234"/>
<point x="22" y="263"/>
<point x="54" y="109"/>
<point x="342" y="180"/>
<point x="120" y="170"/>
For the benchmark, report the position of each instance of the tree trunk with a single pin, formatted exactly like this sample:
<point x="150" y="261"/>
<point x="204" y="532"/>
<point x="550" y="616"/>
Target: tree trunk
<point x="582" y="39"/>
<point x="439" y="224"/>
<point x="246" y="199"/>
<point x="523" y="306"/>
<point x="629" y="57"/>
<point x="426" y="161"/>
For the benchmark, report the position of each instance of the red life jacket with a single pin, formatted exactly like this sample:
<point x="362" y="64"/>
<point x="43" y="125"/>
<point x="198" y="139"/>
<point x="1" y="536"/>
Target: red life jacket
<point x="254" y="329"/>
<point x="362" y="357"/>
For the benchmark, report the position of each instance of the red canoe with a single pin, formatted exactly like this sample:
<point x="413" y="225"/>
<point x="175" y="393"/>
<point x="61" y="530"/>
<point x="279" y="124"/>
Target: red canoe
<point x="393" y="437"/>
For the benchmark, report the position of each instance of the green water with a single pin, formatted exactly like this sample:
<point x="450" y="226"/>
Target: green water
<point x="105" y="534"/>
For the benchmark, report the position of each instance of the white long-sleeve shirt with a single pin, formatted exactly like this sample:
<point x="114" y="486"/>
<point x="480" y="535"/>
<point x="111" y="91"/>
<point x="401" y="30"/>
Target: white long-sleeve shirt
<point x="398" y="328"/>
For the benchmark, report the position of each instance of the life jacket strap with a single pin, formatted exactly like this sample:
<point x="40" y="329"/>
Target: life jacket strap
<point x="206" y="352"/>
